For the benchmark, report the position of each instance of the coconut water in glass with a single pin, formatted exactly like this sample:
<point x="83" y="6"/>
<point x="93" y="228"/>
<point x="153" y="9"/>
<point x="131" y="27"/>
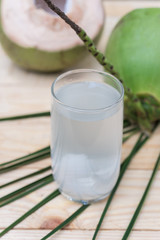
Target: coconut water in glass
<point x="86" y="134"/>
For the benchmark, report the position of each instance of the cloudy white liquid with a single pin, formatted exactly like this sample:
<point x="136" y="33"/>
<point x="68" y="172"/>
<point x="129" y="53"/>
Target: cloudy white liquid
<point x="86" y="141"/>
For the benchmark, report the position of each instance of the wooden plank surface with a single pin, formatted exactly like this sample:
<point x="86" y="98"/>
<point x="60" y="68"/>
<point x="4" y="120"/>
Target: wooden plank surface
<point x="80" y="235"/>
<point x="21" y="92"/>
<point x="121" y="210"/>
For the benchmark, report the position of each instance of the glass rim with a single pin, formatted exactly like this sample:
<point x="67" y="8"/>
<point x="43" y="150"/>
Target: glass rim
<point x="63" y="75"/>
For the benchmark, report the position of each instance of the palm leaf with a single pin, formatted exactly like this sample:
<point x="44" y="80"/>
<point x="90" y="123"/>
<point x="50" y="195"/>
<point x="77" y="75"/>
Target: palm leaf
<point x="34" y="188"/>
<point x="27" y="176"/>
<point x="26" y="157"/>
<point x="25" y="162"/>
<point x="140" y="205"/>
<point x="32" y="115"/>
<point x="140" y="142"/>
<point x="21" y="192"/>
<point x="32" y="210"/>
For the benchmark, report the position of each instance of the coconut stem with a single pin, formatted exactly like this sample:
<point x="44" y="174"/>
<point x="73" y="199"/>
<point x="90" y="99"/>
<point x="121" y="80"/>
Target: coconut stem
<point x="73" y="25"/>
<point x="140" y="112"/>
<point x="88" y="43"/>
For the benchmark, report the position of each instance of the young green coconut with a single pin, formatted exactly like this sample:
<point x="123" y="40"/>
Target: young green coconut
<point x="37" y="39"/>
<point x="134" y="50"/>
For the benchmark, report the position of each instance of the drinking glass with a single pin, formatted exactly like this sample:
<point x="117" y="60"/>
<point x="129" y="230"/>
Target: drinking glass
<point x="86" y="133"/>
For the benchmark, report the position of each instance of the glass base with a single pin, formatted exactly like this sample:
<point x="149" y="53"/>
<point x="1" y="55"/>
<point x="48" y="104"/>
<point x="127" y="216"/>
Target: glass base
<point x="85" y="202"/>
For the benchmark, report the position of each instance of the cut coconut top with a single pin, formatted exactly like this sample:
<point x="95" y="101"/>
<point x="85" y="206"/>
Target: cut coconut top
<point x="64" y="5"/>
<point x="30" y="23"/>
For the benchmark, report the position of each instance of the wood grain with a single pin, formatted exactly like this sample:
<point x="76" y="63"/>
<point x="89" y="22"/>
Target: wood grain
<point x="119" y="214"/>
<point x="24" y="92"/>
<point x="80" y="235"/>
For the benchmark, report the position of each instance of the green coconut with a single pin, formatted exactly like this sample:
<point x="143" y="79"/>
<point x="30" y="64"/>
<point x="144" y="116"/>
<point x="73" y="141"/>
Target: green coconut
<point x="134" y="50"/>
<point x="37" y="39"/>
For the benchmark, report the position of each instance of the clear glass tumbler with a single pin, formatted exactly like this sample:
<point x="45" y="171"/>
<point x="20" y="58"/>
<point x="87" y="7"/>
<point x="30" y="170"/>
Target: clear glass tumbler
<point x="86" y="133"/>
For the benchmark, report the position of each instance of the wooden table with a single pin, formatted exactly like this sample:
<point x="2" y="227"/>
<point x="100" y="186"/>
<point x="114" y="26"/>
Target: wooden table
<point x="25" y="92"/>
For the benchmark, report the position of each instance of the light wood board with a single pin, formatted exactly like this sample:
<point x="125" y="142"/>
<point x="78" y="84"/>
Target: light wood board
<point x="25" y="92"/>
